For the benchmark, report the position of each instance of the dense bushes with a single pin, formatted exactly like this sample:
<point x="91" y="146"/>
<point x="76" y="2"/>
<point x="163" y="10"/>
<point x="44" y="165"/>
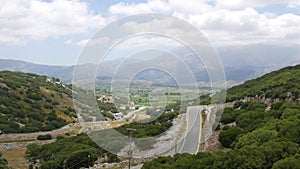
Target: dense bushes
<point x="26" y="103"/>
<point x="229" y="115"/>
<point x="81" y="158"/>
<point x="72" y="152"/>
<point x="261" y="140"/>
<point x="273" y="85"/>
<point x="246" y="157"/>
<point x="50" y="165"/>
<point x="44" y="137"/>
<point x="288" y="163"/>
<point x="227" y="137"/>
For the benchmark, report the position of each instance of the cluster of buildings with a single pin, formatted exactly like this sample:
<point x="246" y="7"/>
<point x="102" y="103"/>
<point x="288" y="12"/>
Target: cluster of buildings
<point x="111" y="100"/>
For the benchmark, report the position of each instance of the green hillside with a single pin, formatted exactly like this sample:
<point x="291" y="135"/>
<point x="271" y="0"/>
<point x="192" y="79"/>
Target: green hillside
<point x="278" y="84"/>
<point x="253" y="136"/>
<point x="31" y="103"/>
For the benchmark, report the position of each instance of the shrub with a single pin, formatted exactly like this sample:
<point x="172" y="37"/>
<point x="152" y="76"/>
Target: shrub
<point x="229" y="136"/>
<point x="44" y="137"/>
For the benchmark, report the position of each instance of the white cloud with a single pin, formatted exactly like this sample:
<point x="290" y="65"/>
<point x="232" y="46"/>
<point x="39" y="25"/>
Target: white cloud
<point x="222" y="21"/>
<point x="131" y="43"/>
<point x="88" y="42"/>
<point x="286" y="26"/>
<point x="245" y="20"/>
<point x="151" y="6"/>
<point x="242" y="4"/>
<point x="146" y="42"/>
<point x="161" y="6"/>
<point x="224" y="25"/>
<point x="190" y="6"/>
<point x="34" y="19"/>
<point x="166" y="25"/>
<point x="228" y="22"/>
<point x="245" y="26"/>
<point x="294" y="4"/>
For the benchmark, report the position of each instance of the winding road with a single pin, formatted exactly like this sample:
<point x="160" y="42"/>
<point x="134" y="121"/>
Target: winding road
<point x="191" y="138"/>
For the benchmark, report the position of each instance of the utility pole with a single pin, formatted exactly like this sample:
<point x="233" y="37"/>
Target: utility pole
<point x="130" y="140"/>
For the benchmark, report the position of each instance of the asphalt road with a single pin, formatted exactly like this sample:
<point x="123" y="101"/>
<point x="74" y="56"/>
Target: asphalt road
<point x="192" y="139"/>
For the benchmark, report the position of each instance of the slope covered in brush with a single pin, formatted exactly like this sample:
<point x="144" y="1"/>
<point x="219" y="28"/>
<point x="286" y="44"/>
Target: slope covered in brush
<point x="252" y="135"/>
<point x="31" y="103"/>
<point x="282" y="84"/>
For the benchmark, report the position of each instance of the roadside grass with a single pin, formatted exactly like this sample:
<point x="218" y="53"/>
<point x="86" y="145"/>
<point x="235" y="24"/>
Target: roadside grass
<point x="17" y="141"/>
<point x="16" y="158"/>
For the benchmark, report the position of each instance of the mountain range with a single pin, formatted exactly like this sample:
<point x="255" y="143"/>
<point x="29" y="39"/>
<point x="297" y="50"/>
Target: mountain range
<point x="237" y="74"/>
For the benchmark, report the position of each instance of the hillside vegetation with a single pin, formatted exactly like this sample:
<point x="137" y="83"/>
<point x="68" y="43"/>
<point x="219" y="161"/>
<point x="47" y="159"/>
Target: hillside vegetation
<point x="68" y="152"/>
<point x="281" y="84"/>
<point x="31" y="103"/>
<point x="261" y="140"/>
<point x="257" y="137"/>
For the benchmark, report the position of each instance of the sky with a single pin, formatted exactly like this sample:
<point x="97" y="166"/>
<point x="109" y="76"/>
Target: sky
<point x="54" y="32"/>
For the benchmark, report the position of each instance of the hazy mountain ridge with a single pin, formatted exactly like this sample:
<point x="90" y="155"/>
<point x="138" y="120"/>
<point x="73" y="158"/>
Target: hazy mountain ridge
<point x="63" y="72"/>
<point x="233" y="73"/>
